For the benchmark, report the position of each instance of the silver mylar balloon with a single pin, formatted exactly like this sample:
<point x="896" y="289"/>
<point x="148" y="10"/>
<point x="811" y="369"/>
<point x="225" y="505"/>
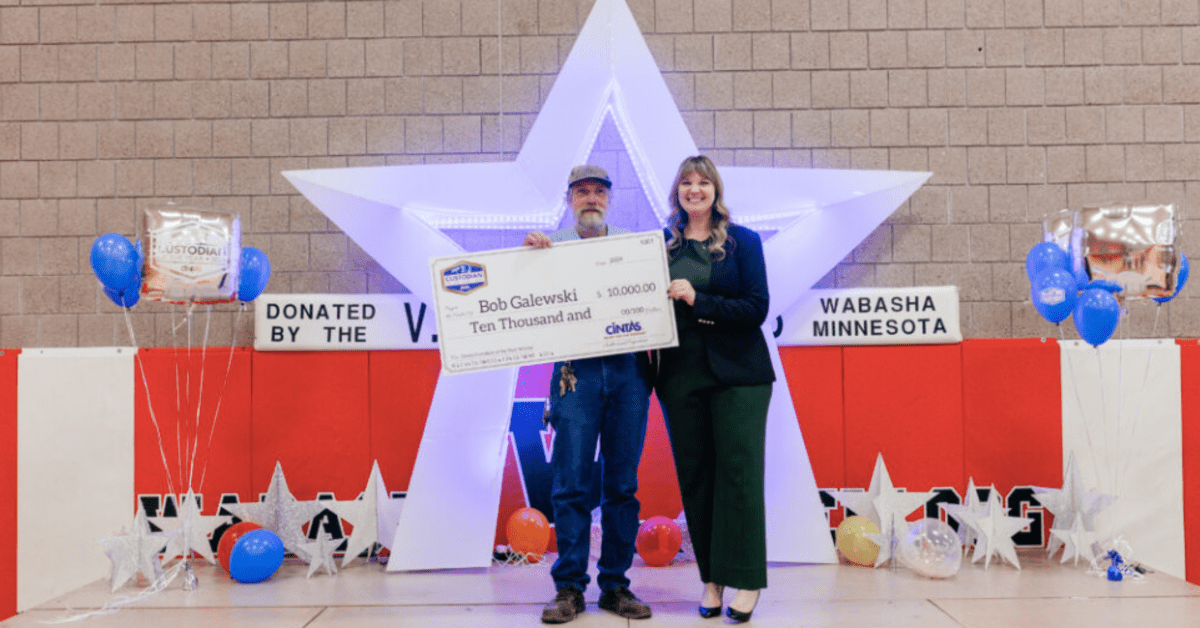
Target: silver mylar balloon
<point x="193" y="254"/>
<point x="931" y="548"/>
<point x="1136" y="246"/>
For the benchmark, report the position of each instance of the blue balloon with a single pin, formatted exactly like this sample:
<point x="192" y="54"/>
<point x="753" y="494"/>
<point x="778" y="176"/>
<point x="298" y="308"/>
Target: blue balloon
<point x="1044" y="256"/>
<point x="1185" y="269"/>
<point x="255" y="273"/>
<point x="114" y="260"/>
<point x="127" y="298"/>
<point x="256" y="556"/>
<point x="1111" y="287"/>
<point x="1096" y="316"/>
<point x="1054" y="294"/>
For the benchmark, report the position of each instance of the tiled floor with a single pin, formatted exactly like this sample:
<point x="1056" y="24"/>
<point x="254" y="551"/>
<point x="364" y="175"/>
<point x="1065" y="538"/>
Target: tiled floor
<point x="363" y="596"/>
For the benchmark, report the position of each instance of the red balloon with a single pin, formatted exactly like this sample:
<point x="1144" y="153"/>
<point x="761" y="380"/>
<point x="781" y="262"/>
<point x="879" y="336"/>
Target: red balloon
<point x="658" y="541"/>
<point x="229" y="537"/>
<point x="528" y="533"/>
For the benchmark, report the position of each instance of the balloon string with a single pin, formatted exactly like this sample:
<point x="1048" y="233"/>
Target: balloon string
<point x="178" y="396"/>
<point x="199" y="394"/>
<point x="137" y="356"/>
<point x="156" y="587"/>
<point x="187" y="391"/>
<point x="1137" y="413"/>
<point x="220" y="397"/>
<point x="1087" y="431"/>
<point x="1103" y="413"/>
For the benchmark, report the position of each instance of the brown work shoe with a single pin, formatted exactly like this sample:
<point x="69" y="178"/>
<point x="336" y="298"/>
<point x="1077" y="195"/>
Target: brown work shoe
<point x="566" y="606"/>
<point x="623" y="602"/>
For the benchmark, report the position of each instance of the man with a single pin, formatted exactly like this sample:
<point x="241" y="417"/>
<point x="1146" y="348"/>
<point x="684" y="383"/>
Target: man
<point x="605" y="398"/>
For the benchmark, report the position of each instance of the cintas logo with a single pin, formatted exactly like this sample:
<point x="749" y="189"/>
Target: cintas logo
<point x="623" y="329"/>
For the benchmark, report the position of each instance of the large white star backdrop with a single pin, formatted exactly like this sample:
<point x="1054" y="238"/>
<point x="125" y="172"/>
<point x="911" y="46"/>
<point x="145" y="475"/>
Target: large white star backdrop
<point x="404" y="215"/>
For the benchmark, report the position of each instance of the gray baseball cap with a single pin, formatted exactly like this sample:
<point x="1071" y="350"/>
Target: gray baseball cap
<point x="588" y="172"/>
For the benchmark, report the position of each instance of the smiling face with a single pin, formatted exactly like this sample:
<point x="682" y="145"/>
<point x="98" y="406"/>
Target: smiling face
<point x="696" y="194"/>
<point x="589" y="200"/>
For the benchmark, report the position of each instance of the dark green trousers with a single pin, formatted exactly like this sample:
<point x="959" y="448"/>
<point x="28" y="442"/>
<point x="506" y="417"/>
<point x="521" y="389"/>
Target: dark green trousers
<point x="718" y="436"/>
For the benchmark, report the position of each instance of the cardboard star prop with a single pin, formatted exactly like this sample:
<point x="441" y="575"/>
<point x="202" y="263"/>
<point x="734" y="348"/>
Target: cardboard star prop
<point x="192" y="529"/>
<point x="966" y="514"/>
<point x="363" y="514"/>
<point x="996" y="530"/>
<point x="320" y="554"/>
<point x="1077" y="542"/>
<point x="1073" y="501"/>
<point x="397" y="214"/>
<point x="136" y="552"/>
<point x="281" y="513"/>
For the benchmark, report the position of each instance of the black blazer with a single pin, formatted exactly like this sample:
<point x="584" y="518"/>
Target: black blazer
<point x="731" y="312"/>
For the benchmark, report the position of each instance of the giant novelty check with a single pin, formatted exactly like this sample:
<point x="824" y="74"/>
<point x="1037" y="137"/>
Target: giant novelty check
<point x="576" y="299"/>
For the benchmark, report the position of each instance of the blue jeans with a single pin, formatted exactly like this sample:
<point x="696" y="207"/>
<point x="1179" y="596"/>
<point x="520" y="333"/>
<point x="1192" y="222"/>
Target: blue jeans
<point x="610" y="402"/>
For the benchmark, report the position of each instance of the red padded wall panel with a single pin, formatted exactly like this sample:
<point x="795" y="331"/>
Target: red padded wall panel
<point x="401" y="391"/>
<point x="1189" y="377"/>
<point x="906" y="402"/>
<point x="8" y="482"/>
<point x="311" y="414"/>
<point x="814" y="377"/>
<point x="184" y="395"/>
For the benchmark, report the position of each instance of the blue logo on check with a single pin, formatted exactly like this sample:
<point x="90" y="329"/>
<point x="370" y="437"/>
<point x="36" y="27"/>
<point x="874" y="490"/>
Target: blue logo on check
<point x="464" y="277"/>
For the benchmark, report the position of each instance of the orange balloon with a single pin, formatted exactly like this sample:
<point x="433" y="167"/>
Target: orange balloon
<point x="658" y="541"/>
<point x="853" y="543"/>
<point x="229" y="537"/>
<point x="528" y="533"/>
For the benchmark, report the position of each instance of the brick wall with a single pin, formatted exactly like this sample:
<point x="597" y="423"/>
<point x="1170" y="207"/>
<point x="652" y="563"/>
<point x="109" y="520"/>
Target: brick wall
<point x="1019" y="107"/>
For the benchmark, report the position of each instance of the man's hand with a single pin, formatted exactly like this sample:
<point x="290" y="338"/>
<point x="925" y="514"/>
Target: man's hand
<point x="537" y="239"/>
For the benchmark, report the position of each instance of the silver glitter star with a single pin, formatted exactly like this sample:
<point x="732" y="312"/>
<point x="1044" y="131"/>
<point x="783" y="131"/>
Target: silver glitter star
<point x="320" y="554"/>
<point x="362" y="513"/>
<point x="281" y="513"/>
<point x="192" y="529"/>
<point x="136" y="551"/>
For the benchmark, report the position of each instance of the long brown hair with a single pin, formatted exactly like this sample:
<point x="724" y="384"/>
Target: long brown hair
<point x="702" y="165"/>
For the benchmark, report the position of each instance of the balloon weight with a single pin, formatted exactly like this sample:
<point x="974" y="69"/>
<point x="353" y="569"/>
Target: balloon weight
<point x="255" y="556"/>
<point x="853" y="543"/>
<point x="658" y="541"/>
<point x="931" y="548"/>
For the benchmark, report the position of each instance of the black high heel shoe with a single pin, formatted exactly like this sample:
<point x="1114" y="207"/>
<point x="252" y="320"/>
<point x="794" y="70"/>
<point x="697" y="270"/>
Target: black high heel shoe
<point x="739" y="616"/>
<point x="708" y="612"/>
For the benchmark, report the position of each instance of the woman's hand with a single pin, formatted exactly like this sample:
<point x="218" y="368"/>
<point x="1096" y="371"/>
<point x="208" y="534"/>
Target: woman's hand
<point x="682" y="290"/>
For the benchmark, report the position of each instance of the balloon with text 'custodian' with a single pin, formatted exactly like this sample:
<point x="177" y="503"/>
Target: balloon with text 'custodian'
<point x="931" y="548"/>
<point x="658" y="541"/>
<point x="255" y="556"/>
<point x="256" y="272"/>
<point x="528" y="532"/>
<point x="1096" y="316"/>
<point x="853" y="543"/>
<point x="114" y="260"/>
<point x="1044" y="256"/>
<point x="231" y="536"/>
<point x="1054" y="294"/>
<point x="1185" y="269"/>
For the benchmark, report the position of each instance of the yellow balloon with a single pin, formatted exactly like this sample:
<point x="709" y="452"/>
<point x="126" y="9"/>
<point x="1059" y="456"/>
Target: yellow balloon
<point x="853" y="543"/>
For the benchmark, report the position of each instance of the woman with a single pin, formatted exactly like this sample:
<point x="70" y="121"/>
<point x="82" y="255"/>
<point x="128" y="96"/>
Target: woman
<point x="715" y="387"/>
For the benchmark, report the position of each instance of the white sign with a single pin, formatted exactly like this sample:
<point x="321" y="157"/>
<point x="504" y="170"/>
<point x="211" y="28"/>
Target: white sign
<point x="342" y="322"/>
<point x="577" y="299"/>
<point x="873" y="316"/>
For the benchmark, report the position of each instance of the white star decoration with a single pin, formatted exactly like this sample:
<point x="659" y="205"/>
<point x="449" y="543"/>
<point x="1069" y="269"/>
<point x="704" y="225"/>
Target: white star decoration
<point x="363" y="513"/>
<point x="280" y="513"/>
<point x="1073" y="501"/>
<point x="886" y="506"/>
<point x="996" y="530"/>
<point x="966" y="514"/>
<point x="136" y="551"/>
<point x="396" y="213"/>
<point x="193" y="529"/>
<point x="320" y="554"/>
<point x="1077" y="542"/>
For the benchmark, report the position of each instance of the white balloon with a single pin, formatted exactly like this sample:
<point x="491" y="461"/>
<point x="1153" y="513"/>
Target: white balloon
<point x="931" y="548"/>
